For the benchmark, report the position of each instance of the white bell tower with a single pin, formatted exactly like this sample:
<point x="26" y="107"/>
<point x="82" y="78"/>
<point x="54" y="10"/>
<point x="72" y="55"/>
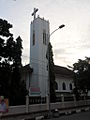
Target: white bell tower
<point x="39" y="38"/>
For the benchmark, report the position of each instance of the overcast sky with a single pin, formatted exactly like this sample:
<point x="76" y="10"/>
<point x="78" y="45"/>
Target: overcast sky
<point x="70" y="43"/>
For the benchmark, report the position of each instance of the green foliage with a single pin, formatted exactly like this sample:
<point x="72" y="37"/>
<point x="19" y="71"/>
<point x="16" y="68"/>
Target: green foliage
<point x="11" y="85"/>
<point x="82" y="75"/>
<point x="51" y="75"/>
<point x="4" y="28"/>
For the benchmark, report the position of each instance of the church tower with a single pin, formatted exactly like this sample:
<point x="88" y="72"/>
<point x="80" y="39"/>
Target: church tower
<point x="39" y="38"/>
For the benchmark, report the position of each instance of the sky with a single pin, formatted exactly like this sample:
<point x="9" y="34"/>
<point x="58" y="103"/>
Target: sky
<point x="69" y="43"/>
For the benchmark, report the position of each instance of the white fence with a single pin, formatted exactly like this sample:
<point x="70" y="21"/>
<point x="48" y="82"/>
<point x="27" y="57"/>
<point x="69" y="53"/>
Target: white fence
<point x="22" y="111"/>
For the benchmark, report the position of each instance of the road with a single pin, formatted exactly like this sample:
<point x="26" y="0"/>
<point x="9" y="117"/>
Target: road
<point x="76" y="116"/>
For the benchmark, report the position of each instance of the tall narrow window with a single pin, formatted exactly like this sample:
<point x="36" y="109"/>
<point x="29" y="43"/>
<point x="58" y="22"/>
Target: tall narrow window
<point x="70" y="86"/>
<point x="56" y="86"/>
<point x="64" y="86"/>
<point x="33" y="37"/>
<point x="44" y="37"/>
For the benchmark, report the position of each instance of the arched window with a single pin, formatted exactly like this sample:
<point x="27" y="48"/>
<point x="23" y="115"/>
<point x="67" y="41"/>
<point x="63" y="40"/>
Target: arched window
<point x="56" y="86"/>
<point x="64" y="86"/>
<point x="70" y="86"/>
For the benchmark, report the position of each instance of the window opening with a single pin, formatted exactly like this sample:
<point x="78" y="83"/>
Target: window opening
<point x="64" y="86"/>
<point x="33" y="37"/>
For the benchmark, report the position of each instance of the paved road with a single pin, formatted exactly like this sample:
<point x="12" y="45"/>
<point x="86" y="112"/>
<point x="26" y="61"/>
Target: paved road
<point x="76" y="116"/>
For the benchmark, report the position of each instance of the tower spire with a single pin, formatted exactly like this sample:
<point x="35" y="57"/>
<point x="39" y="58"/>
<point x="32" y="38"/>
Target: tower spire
<point x="34" y="13"/>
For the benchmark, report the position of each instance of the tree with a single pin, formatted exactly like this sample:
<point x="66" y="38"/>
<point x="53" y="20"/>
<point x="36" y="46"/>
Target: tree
<point x="11" y="85"/>
<point x="51" y="75"/>
<point x="82" y="75"/>
<point x="5" y="68"/>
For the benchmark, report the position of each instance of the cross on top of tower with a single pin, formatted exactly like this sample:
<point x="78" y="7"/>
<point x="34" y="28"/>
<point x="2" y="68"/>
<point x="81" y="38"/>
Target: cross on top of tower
<point x="34" y="13"/>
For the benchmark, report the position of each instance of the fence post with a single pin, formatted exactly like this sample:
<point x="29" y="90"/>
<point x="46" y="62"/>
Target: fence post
<point x="74" y="97"/>
<point x="27" y="103"/>
<point x="62" y="97"/>
<point x="85" y="100"/>
<point x="47" y="102"/>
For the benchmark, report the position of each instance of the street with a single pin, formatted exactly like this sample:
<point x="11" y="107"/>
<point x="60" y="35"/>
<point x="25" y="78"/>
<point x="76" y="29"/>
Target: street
<point x="76" y="116"/>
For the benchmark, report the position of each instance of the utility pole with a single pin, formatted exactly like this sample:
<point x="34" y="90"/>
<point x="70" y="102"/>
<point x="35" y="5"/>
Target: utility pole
<point x="48" y="96"/>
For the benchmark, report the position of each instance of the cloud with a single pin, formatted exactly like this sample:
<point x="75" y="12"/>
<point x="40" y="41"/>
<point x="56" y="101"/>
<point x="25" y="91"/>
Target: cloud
<point x="69" y="43"/>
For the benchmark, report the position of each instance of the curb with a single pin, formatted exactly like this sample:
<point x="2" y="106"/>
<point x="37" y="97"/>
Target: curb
<point x="61" y="113"/>
<point x="39" y="118"/>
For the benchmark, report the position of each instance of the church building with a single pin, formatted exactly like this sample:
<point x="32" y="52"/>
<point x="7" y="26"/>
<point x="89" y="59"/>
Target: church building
<point x="36" y="75"/>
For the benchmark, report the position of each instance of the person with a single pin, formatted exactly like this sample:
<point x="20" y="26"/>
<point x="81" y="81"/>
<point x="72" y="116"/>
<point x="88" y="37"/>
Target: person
<point x="3" y="107"/>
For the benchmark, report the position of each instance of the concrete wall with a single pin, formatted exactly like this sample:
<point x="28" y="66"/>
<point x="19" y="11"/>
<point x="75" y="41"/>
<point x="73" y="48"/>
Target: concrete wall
<point x="20" y="112"/>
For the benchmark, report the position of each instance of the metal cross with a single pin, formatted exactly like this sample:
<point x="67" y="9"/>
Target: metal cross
<point x="34" y="13"/>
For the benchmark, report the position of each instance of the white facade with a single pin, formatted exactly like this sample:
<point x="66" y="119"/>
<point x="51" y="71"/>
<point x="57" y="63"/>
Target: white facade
<point x="64" y="81"/>
<point x="38" y="48"/>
